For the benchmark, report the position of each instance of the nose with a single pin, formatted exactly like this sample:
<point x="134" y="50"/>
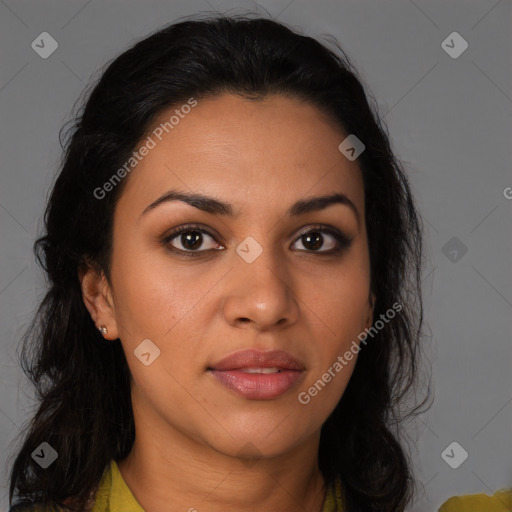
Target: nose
<point x="260" y="294"/>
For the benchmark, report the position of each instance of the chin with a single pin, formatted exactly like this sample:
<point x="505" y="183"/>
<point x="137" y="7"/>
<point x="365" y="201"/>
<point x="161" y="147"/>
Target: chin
<point x="255" y="442"/>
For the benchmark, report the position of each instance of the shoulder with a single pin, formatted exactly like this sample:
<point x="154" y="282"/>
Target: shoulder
<point x="27" y="506"/>
<point x="42" y="507"/>
<point x="32" y="507"/>
<point x="500" y="501"/>
<point x="101" y="491"/>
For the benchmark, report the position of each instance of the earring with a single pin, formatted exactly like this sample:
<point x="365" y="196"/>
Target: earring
<point x="103" y="330"/>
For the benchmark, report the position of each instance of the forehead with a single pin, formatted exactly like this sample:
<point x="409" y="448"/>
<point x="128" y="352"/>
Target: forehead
<point x="270" y="152"/>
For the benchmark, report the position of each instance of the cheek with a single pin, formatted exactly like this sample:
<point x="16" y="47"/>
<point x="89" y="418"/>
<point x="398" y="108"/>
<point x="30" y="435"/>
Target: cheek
<point x="159" y="301"/>
<point x="318" y="398"/>
<point x="341" y="302"/>
<point x="153" y="294"/>
<point x="340" y="313"/>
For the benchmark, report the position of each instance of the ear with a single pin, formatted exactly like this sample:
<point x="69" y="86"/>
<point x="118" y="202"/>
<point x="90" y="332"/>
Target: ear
<point x="97" y="297"/>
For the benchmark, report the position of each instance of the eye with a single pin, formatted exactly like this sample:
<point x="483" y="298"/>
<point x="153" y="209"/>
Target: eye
<point x="191" y="238"/>
<point x="314" y="238"/>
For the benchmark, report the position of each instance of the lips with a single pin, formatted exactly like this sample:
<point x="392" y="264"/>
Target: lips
<point x="257" y="375"/>
<point x="258" y="359"/>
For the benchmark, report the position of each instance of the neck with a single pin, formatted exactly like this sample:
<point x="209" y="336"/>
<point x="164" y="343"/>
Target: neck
<point x="168" y="470"/>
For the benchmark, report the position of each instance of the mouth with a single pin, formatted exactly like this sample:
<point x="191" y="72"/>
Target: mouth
<point x="261" y="370"/>
<point x="257" y="375"/>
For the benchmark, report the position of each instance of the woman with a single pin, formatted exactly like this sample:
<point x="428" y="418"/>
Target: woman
<point x="229" y="235"/>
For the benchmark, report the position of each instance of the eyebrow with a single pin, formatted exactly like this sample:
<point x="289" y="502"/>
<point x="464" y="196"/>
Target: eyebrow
<point x="217" y="207"/>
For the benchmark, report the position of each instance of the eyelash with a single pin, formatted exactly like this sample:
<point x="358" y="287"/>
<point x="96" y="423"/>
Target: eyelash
<point x="343" y="241"/>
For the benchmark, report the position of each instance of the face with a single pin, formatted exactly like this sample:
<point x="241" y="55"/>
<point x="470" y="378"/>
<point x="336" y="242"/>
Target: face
<point x="267" y="271"/>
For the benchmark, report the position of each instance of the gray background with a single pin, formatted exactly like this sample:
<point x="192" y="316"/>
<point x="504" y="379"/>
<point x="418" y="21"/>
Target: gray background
<point x="450" y="121"/>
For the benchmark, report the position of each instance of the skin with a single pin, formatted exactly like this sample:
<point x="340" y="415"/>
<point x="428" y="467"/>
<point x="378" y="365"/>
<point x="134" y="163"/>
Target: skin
<point x="261" y="157"/>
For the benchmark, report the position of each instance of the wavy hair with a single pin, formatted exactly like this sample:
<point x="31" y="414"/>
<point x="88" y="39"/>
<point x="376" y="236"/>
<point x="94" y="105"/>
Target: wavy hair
<point x="83" y="384"/>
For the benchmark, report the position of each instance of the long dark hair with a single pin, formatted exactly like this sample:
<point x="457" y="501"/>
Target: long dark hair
<point x="83" y="383"/>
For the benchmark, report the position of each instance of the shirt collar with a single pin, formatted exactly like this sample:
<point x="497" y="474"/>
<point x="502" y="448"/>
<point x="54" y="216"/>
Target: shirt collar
<point x="114" y="495"/>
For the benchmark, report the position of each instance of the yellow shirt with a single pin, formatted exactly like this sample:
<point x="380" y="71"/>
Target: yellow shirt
<point x="500" y="501"/>
<point x="113" y="495"/>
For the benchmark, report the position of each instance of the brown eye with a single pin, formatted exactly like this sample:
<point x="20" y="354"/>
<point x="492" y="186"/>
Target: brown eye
<point x="316" y="239"/>
<point x="189" y="239"/>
